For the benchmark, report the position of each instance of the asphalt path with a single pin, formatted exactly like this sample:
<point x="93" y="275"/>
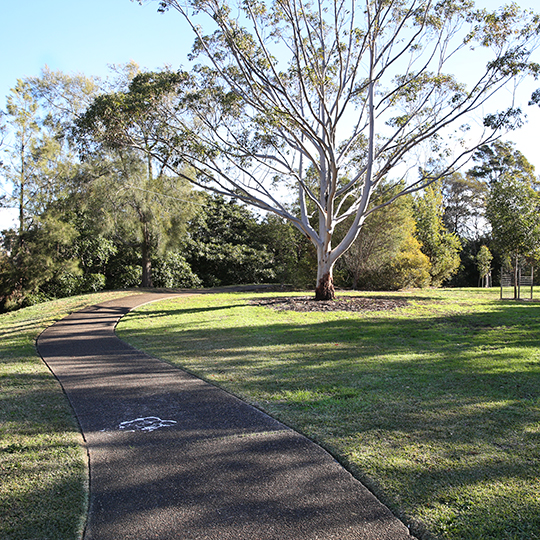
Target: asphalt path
<point x="174" y="457"/>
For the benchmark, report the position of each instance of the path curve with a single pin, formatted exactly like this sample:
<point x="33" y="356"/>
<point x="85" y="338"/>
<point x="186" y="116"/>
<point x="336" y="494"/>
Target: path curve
<point x="173" y="457"/>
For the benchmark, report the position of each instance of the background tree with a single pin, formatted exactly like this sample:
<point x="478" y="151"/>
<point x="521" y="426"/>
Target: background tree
<point x="107" y="207"/>
<point x="440" y="246"/>
<point x="513" y="211"/>
<point x="483" y="261"/>
<point x="500" y="160"/>
<point x="511" y="203"/>
<point x="22" y="117"/>
<point x="294" y="258"/>
<point x="45" y="254"/>
<point x="38" y="166"/>
<point x="464" y="205"/>
<point x="225" y="245"/>
<point x="387" y="255"/>
<point x="349" y="93"/>
<point x="154" y="205"/>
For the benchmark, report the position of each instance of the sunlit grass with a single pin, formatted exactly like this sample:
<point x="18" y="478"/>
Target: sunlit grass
<point x="43" y="472"/>
<point x="435" y="406"/>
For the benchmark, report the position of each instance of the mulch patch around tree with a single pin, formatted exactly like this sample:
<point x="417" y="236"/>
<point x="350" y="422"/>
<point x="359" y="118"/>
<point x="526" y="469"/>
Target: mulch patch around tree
<point x="344" y="303"/>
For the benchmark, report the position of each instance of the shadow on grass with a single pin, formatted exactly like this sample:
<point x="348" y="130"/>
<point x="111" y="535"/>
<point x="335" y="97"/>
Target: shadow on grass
<point x="51" y="511"/>
<point x="158" y="313"/>
<point x="43" y="475"/>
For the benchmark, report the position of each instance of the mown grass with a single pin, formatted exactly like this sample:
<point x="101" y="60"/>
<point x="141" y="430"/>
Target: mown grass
<point x="43" y="487"/>
<point x="435" y="406"/>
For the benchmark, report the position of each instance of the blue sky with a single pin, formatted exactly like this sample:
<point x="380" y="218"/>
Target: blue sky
<point x="85" y="36"/>
<point x="88" y="35"/>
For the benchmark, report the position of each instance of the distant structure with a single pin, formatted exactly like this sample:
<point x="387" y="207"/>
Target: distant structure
<point x="516" y="282"/>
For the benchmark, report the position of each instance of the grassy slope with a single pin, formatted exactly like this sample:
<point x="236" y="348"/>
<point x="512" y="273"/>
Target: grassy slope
<point x="435" y="406"/>
<point x="42" y="462"/>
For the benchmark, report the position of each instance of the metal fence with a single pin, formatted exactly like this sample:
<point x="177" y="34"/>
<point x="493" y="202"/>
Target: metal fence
<point x="517" y="285"/>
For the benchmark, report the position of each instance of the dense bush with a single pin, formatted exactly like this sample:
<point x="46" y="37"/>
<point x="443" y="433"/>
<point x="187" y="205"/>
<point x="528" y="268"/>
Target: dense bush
<point x="172" y="270"/>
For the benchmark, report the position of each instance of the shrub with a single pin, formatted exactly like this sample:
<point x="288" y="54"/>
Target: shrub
<point x="172" y="270"/>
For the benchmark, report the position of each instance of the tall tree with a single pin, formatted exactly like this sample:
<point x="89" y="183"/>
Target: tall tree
<point x="150" y="209"/>
<point x="501" y="159"/>
<point x="441" y="247"/>
<point x="40" y="162"/>
<point x="64" y="97"/>
<point x="464" y="205"/>
<point x="22" y="117"/>
<point x="160" y="204"/>
<point x="41" y="169"/>
<point x="512" y="209"/>
<point x="343" y="93"/>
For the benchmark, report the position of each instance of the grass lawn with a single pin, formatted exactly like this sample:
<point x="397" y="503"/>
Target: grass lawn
<point x="434" y="406"/>
<point x="43" y="474"/>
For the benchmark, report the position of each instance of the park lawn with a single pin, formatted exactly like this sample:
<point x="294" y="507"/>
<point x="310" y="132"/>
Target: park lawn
<point x="435" y="406"/>
<point x="43" y="487"/>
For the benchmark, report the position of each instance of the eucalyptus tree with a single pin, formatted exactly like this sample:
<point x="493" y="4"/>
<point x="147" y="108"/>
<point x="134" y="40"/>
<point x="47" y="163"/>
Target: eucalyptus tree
<point x="319" y="101"/>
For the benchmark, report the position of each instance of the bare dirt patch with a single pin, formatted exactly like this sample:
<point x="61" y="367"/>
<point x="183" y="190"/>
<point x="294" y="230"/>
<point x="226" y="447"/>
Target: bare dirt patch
<point x="344" y="303"/>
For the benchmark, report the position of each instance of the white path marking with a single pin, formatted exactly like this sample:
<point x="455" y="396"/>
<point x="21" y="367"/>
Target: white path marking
<point x="149" y="423"/>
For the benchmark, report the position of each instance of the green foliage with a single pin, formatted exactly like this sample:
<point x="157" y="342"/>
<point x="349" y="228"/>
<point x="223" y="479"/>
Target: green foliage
<point x="500" y="159"/>
<point x="172" y="270"/>
<point x="513" y="206"/>
<point x="512" y="203"/>
<point x="151" y="207"/>
<point x="44" y="173"/>
<point x="124" y="277"/>
<point x="500" y="188"/>
<point x="464" y="204"/>
<point x="294" y="256"/>
<point x="41" y="255"/>
<point x="513" y="211"/>
<point x="441" y="247"/>
<point x="483" y="262"/>
<point x="114" y="118"/>
<point x="224" y="247"/>
<point x="386" y="256"/>
<point x="71" y="284"/>
<point x="409" y="268"/>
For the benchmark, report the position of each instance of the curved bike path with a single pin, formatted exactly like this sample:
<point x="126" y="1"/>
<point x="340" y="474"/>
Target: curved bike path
<point x="173" y="457"/>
